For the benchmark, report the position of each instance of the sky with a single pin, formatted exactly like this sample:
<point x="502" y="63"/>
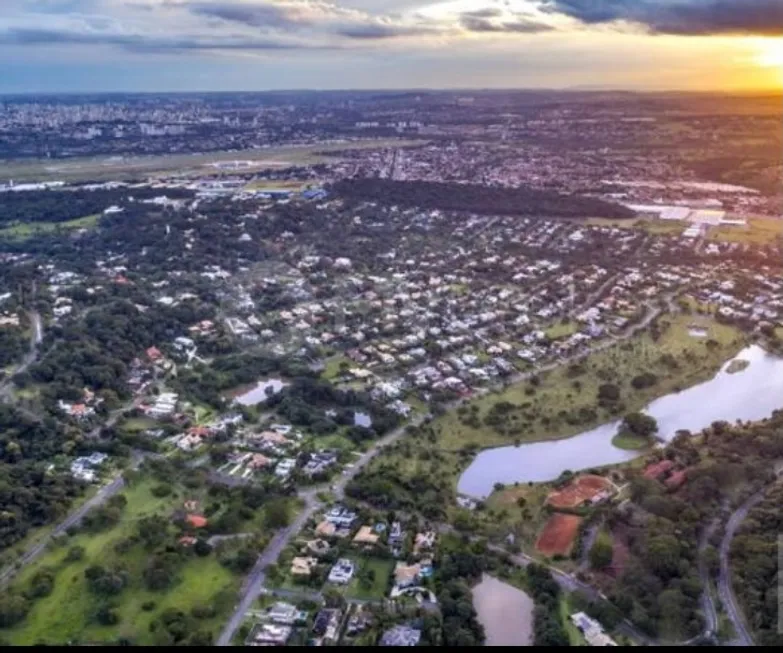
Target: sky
<point x="224" y="45"/>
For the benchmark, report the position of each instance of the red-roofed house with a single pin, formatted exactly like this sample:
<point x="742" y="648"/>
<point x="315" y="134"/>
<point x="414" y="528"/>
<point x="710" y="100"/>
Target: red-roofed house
<point x="154" y="354"/>
<point x="657" y="470"/>
<point x="677" y="479"/>
<point x="200" y="431"/>
<point x="196" y="521"/>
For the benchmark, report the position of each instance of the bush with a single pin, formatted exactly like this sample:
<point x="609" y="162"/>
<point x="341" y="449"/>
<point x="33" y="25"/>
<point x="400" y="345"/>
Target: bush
<point x="161" y="491"/>
<point x="75" y="553"/>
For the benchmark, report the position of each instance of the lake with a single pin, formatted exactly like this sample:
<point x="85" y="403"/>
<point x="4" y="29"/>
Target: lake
<point x="258" y="392"/>
<point x="505" y="612"/>
<point x="749" y="395"/>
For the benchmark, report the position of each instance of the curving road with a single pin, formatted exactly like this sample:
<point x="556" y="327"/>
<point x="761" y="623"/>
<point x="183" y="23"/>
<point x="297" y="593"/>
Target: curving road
<point x="725" y="589"/>
<point x="105" y="493"/>
<point x="36" y="337"/>
<point x="707" y="600"/>
<point x="253" y="585"/>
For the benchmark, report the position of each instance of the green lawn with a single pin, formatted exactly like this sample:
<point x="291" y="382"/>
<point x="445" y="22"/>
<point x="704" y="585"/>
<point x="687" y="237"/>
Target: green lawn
<point x="67" y="614"/>
<point x="630" y="442"/>
<point x="574" y="636"/>
<point x="561" y="330"/>
<point x="759" y="231"/>
<point x="663" y="227"/>
<point x="22" y="230"/>
<point x="550" y="410"/>
<point x="332" y="367"/>
<point x="377" y="590"/>
<point x="137" y="424"/>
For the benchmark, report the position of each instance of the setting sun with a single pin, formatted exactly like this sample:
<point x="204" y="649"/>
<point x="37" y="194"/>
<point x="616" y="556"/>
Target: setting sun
<point x="771" y="54"/>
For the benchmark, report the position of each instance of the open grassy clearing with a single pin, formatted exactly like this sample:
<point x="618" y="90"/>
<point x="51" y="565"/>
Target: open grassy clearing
<point x="23" y="230"/>
<point x="759" y="231"/>
<point x="137" y="424"/>
<point x="332" y="368"/>
<point x="134" y="167"/>
<point x="610" y="222"/>
<point x="561" y="330"/>
<point x="630" y="442"/>
<point x="663" y="227"/>
<point x="574" y="636"/>
<point x="68" y="613"/>
<point x="565" y="400"/>
<point x="374" y="591"/>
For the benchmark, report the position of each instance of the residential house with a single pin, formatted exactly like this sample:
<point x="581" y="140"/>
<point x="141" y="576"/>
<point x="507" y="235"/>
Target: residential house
<point x="424" y="541"/>
<point x="406" y="575"/>
<point x="403" y="635"/>
<point x="325" y="529"/>
<point x="283" y="613"/>
<point x="658" y="470"/>
<point x="303" y="566"/>
<point x="592" y="630"/>
<point x="327" y="623"/>
<point x="342" y="572"/>
<point x="269" y="635"/>
<point x="341" y="517"/>
<point x="365" y="536"/>
<point x="318" y="546"/>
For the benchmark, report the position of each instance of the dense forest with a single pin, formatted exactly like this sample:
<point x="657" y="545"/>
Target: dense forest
<point x="486" y="200"/>
<point x="754" y="560"/>
<point x="658" y="587"/>
<point x="31" y="496"/>
<point x="65" y="205"/>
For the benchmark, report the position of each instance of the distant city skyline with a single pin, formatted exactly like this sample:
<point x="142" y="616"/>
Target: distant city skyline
<point x="52" y="46"/>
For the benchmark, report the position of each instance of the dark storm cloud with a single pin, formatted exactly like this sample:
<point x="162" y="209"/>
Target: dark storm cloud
<point x="381" y="30"/>
<point x="327" y="18"/>
<point x="254" y="15"/>
<point x="481" y="20"/>
<point x="683" y="17"/>
<point x="139" y="43"/>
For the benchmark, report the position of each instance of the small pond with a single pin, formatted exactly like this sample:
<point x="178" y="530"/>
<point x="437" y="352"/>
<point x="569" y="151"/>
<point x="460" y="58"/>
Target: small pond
<point x="257" y="393"/>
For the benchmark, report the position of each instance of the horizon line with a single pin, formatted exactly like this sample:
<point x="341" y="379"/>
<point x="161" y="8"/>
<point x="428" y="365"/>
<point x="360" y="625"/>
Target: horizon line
<point x="418" y="89"/>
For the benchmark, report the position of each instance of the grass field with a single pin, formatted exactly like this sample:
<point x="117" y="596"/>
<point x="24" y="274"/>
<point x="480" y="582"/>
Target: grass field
<point x="561" y="330"/>
<point x="609" y="222"/>
<point x="549" y="410"/>
<point x="137" y="424"/>
<point x="332" y="367"/>
<point x="655" y="227"/>
<point x="574" y="636"/>
<point x="377" y="590"/>
<point x="630" y="442"/>
<point x="21" y="231"/>
<point x="760" y="231"/>
<point x="67" y="614"/>
<point x="118" y="168"/>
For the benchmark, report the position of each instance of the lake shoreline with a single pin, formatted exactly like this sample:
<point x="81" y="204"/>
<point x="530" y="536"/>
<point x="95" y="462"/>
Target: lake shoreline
<point x="713" y="400"/>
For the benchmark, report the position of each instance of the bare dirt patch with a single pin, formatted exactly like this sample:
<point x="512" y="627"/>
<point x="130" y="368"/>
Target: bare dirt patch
<point x="578" y="492"/>
<point x="558" y="535"/>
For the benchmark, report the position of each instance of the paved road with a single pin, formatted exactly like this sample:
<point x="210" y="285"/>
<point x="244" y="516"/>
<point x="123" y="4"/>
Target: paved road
<point x="102" y="496"/>
<point x="707" y="600"/>
<point x="725" y="589"/>
<point x="36" y="336"/>
<point x="254" y="584"/>
<point x="255" y="581"/>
